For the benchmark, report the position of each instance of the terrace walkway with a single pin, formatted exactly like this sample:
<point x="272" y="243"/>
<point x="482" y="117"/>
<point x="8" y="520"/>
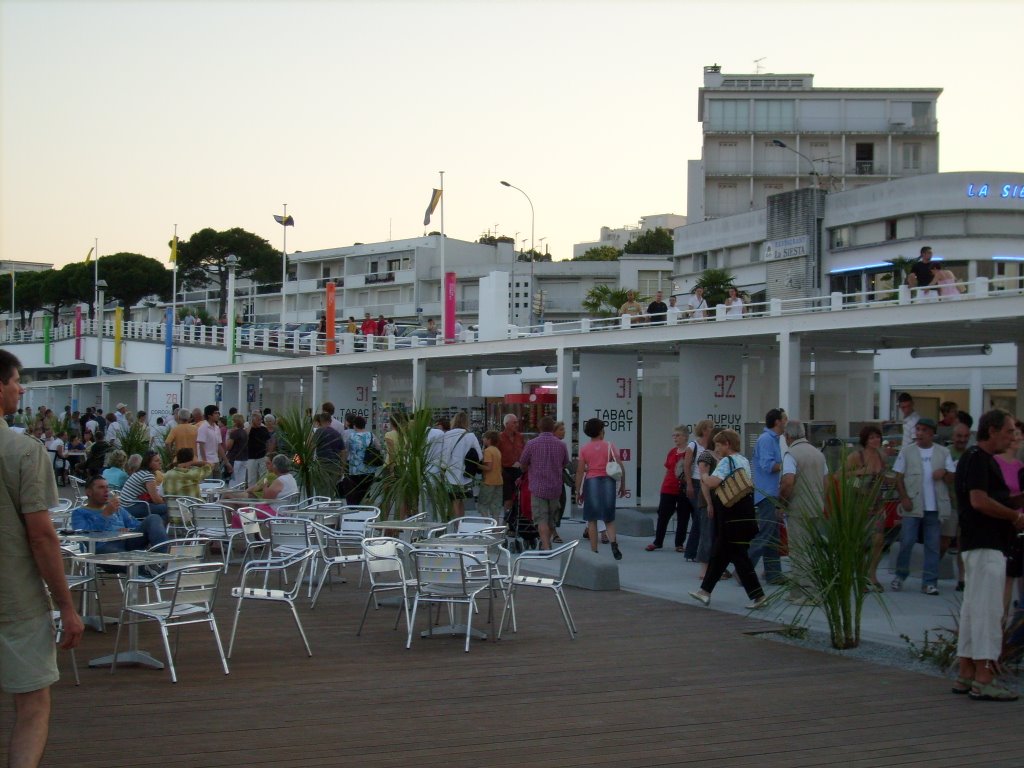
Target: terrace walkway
<point x="648" y="682"/>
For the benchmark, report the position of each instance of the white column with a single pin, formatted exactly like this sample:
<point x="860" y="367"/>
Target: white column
<point x="789" y="373"/>
<point x="977" y="393"/>
<point x="140" y="396"/>
<point x="563" y="378"/>
<point x="1020" y="378"/>
<point x="316" y="389"/>
<point x="419" y="383"/>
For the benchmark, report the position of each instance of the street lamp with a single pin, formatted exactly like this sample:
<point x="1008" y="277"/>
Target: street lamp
<point x="232" y="263"/>
<point x="782" y="145"/>
<point x="101" y="286"/>
<point x="532" y="254"/>
<point x="10" y="324"/>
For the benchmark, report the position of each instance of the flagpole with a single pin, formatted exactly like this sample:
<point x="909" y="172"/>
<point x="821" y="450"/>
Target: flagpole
<point x="284" y="261"/>
<point x="444" y="314"/>
<point x="174" y="278"/>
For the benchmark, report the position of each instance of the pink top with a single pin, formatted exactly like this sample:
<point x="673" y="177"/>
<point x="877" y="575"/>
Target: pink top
<point x="595" y="455"/>
<point x="947" y="287"/>
<point x="1011" y="473"/>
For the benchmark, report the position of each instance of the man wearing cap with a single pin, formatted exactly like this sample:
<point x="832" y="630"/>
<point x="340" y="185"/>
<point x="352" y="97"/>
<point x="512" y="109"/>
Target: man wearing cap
<point x="921" y="471"/>
<point x="121" y="414"/>
<point x="908" y="415"/>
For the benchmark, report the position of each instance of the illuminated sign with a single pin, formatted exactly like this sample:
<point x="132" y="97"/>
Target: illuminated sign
<point x="1006" y="191"/>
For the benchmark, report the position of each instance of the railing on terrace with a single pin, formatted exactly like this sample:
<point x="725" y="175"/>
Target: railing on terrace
<point x="272" y="340"/>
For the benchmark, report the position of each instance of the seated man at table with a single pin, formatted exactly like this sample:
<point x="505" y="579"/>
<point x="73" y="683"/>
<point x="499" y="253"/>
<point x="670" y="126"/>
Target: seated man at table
<point x="183" y="478"/>
<point x="102" y="512"/>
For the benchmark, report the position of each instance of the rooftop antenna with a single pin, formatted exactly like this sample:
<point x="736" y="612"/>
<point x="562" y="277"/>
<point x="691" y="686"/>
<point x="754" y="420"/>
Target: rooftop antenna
<point x="759" y="68"/>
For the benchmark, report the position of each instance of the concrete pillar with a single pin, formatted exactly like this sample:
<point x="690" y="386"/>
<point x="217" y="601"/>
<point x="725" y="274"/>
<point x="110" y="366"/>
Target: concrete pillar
<point x="419" y="382"/>
<point x="789" y="373"/>
<point x="977" y="395"/>
<point x="564" y="380"/>
<point x="1020" y="379"/>
<point x="141" y="399"/>
<point x="316" y="391"/>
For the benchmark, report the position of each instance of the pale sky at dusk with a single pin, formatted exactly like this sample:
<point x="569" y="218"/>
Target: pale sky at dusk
<point x="119" y="120"/>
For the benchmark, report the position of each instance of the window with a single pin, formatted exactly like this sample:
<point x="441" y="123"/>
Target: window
<point x="729" y="115"/>
<point x="890" y="229"/>
<point x="649" y="281"/>
<point x="394" y="265"/>
<point x="840" y="237"/>
<point x="325" y="270"/>
<point x="773" y="115"/>
<point x="911" y="157"/>
<point x="921" y="112"/>
<point x="864" y="157"/>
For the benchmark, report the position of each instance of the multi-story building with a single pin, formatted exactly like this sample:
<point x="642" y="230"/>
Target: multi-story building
<point x="767" y="133"/>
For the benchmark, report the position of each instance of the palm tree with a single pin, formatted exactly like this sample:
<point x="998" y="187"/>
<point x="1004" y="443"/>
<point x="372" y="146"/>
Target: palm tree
<point x="716" y="284"/>
<point x="604" y="301"/>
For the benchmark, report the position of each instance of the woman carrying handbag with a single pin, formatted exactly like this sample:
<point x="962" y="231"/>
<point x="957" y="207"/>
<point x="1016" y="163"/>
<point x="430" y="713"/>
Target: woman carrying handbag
<point x="732" y="496"/>
<point x="598" y="469"/>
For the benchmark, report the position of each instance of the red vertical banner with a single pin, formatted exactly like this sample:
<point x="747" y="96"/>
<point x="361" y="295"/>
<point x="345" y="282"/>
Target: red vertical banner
<point x="331" y="347"/>
<point x="78" y="332"/>
<point x="449" y="306"/>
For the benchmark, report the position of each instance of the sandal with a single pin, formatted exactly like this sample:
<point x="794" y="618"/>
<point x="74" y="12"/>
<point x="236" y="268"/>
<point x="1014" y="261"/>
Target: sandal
<point x="962" y="685"/>
<point x="558" y="539"/>
<point x="874" y="586"/>
<point x="727" y="574"/>
<point x="651" y="548"/>
<point x="680" y="549"/>
<point x="991" y="691"/>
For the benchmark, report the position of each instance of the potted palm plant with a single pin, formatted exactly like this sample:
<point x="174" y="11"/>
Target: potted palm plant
<point x="297" y="438"/>
<point x="413" y="479"/>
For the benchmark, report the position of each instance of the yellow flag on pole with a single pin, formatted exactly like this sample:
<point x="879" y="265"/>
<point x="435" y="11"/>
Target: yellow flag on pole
<point x="174" y="250"/>
<point x="88" y="256"/>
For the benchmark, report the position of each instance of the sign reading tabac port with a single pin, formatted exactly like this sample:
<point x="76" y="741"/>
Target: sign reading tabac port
<point x="786" y="248"/>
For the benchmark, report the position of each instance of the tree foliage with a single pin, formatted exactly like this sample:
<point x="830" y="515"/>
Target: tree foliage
<point x="657" y="240"/>
<point x="716" y="284"/>
<point x="131" y="277"/>
<point x="202" y="259"/>
<point x="600" y="253"/>
<point x="604" y="300"/>
<point x="28" y="293"/>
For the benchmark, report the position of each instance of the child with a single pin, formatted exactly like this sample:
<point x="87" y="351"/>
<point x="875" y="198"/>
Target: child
<point x="488" y="502"/>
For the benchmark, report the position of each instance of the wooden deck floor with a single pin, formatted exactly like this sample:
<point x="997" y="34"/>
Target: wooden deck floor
<point x="647" y="683"/>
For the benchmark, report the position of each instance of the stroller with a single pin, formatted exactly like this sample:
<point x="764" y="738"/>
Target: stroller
<point x="522" y="532"/>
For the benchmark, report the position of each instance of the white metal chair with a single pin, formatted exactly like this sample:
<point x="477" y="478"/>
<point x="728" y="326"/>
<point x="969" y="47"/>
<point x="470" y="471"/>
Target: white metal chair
<point x="252" y="532"/>
<point x="179" y="515"/>
<point x="58" y="632"/>
<point x="470" y="524"/>
<point x="335" y="549"/>
<point x="243" y="592"/>
<point x="192" y="598"/>
<point x="213" y="522"/>
<point x="447" y="578"/>
<point x="387" y="562"/>
<point x="560" y="558"/>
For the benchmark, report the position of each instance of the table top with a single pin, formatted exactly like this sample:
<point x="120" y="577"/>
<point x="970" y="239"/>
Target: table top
<point x="404" y="525"/>
<point x="460" y="542"/>
<point x="138" y="557"/>
<point x="101" y="536"/>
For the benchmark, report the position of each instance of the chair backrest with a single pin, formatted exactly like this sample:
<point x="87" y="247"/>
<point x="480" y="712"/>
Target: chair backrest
<point x="315" y="501"/>
<point x="137" y="508"/>
<point x="211" y="517"/>
<point x="353" y="522"/>
<point x="386" y="559"/>
<point x="562" y="554"/>
<point x="211" y="485"/>
<point x="249" y="519"/>
<point x="470" y="524"/>
<point x="446" y="574"/>
<point x="194" y="585"/>
<point x="290" y="533"/>
<point x="280" y="501"/>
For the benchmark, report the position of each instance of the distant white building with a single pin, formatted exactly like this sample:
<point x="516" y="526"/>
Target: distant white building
<point x="767" y="133"/>
<point x="618" y="237"/>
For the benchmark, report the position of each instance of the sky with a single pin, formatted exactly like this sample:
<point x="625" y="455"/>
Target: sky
<point x="120" y="120"/>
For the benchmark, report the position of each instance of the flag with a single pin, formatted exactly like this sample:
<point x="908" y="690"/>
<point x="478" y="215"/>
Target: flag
<point x="285" y="221"/>
<point x="435" y="198"/>
<point x="88" y="256"/>
<point x="174" y="250"/>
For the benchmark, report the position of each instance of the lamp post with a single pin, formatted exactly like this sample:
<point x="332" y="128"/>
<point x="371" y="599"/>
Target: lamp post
<point x="229" y="342"/>
<point x="532" y="254"/>
<point x="10" y="324"/>
<point x="101" y="286"/>
<point x="782" y="145"/>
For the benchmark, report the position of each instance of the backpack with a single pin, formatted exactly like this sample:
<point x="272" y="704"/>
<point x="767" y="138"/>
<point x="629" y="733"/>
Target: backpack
<point x="473" y="463"/>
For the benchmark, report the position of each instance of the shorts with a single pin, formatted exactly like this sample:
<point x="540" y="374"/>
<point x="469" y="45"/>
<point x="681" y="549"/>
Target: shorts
<point x="545" y="511"/>
<point x="28" y="654"/>
<point x="950" y="525"/>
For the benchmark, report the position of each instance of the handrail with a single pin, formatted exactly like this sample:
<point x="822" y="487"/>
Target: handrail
<point x="299" y="343"/>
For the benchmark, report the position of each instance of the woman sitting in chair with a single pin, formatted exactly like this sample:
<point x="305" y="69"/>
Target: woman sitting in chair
<point x="142" y="485"/>
<point x="115" y="473"/>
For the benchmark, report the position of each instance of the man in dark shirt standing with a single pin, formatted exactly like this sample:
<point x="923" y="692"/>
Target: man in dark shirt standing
<point x="988" y="523"/>
<point x="657" y="310"/>
<point x="921" y="276"/>
<point x="259" y="436"/>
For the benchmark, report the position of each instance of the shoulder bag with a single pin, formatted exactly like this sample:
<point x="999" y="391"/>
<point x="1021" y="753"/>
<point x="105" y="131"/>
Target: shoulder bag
<point x="736" y="487"/>
<point x="612" y="468"/>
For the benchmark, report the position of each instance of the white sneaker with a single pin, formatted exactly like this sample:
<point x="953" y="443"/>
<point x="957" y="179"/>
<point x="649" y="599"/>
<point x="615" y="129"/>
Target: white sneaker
<point x="896" y="585"/>
<point x="759" y="602"/>
<point x="701" y="598"/>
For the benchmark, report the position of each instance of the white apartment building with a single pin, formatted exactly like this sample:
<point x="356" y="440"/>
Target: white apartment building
<point x="767" y="133"/>
<point x="619" y="236"/>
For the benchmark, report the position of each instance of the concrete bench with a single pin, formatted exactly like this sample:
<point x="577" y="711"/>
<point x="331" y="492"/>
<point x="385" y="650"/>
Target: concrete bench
<point x="595" y="571"/>
<point x="632" y="522"/>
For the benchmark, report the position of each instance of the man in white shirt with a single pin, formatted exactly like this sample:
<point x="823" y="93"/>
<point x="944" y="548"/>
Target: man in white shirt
<point x="921" y="472"/>
<point x="209" y="442"/>
<point x="910" y="417"/>
<point x="673" y="312"/>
